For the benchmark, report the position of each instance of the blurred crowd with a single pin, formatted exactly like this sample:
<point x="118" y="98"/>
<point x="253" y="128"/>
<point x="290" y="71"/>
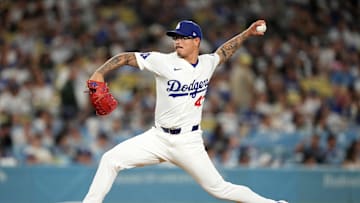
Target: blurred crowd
<point x="289" y="98"/>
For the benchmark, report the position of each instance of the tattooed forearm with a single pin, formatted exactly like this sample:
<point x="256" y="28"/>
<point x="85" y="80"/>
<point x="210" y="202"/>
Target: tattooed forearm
<point x="226" y="50"/>
<point x="118" y="61"/>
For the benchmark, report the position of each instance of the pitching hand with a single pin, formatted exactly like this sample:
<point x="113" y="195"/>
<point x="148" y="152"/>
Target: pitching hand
<point x="252" y="30"/>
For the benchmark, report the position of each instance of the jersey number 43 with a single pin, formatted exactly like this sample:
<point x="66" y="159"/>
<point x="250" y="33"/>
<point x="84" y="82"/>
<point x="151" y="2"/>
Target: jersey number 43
<point x="199" y="101"/>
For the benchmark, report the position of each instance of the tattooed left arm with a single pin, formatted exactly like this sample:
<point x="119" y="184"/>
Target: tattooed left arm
<point x="226" y="50"/>
<point x="127" y="58"/>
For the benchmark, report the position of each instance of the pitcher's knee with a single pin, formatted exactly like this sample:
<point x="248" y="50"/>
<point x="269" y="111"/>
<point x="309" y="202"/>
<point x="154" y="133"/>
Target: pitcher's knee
<point x="108" y="159"/>
<point x="118" y="161"/>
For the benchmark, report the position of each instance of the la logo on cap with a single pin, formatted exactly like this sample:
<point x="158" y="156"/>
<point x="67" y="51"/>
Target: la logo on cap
<point x="186" y="28"/>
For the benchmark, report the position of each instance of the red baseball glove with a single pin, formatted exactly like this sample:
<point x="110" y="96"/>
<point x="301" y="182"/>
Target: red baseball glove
<point x="100" y="97"/>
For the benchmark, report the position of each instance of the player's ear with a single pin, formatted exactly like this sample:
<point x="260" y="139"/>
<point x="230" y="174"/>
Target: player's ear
<point x="197" y="41"/>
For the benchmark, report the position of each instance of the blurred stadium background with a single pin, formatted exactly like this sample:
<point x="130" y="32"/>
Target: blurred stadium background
<point x="283" y="115"/>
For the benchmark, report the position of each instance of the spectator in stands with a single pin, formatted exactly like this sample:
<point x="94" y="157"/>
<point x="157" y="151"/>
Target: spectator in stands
<point x="15" y="99"/>
<point x="218" y="142"/>
<point x="83" y="156"/>
<point x="312" y="153"/>
<point x="62" y="150"/>
<point x="333" y="154"/>
<point x="100" y="146"/>
<point x="6" y="143"/>
<point x="69" y="103"/>
<point x="352" y="157"/>
<point x="244" y="159"/>
<point x="36" y="153"/>
<point x="242" y="81"/>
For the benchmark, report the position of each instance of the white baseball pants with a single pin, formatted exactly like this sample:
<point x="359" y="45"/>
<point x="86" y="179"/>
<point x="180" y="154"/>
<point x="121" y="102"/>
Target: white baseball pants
<point x="185" y="150"/>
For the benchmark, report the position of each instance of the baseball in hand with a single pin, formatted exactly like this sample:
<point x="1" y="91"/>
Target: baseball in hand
<point x="261" y="28"/>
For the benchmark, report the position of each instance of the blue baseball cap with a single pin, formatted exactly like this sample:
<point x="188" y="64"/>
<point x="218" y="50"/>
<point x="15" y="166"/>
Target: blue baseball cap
<point x="186" y="28"/>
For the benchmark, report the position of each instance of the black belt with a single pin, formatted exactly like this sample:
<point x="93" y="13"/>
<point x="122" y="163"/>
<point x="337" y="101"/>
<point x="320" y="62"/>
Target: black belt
<point x="175" y="131"/>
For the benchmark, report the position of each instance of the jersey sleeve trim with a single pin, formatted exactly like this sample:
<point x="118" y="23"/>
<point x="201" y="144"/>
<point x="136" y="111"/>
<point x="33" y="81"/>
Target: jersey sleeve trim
<point x="139" y="60"/>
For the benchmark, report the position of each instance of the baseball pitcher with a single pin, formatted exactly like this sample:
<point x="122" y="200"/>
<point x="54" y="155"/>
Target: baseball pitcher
<point x="182" y="78"/>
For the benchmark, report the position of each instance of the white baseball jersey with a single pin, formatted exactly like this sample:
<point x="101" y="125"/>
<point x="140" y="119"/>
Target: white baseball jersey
<point x="180" y="86"/>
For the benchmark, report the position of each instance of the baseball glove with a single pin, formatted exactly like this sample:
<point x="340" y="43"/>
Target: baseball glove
<point x="100" y="97"/>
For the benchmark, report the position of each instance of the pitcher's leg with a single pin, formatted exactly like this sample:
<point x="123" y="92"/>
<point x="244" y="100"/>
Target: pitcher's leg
<point x="103" y="179"/>
<point x="194" y="159"/>
<point x="138" y="151"/>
